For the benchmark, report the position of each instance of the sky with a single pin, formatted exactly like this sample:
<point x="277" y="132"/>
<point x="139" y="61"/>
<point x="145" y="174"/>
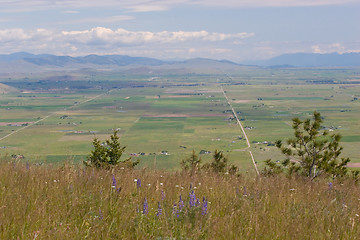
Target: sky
<point x="236" y="30"/>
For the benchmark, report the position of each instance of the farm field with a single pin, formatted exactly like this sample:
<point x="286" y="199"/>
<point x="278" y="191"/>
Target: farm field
<point x="162" y="119"/>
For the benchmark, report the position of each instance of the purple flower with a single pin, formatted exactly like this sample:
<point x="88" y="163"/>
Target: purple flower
<point x="100" y="214"/>
<point x="145" y="207"/>
<point x="175" y="210"/>
<point x="245" y="192"/>
<point x="237" y="192"/>
<point x="138" y="183"/>
<point x="181" y="203"/>
<point x="162" y="195"/>
<point x="330" y="185"/>
<point x="192" y="199"/>
<point x="113" y="185"/>
<point x="113" y="182"/>
<point x="197" y="202"/>
<point x="159" y="211"/>
<point x="204" y="206"/>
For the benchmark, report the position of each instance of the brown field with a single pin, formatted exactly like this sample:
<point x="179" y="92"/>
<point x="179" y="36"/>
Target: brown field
<point x="14" y="123"/>
<point x="241" y="101"/>
<point x="354" y="165"/>
<point x="190" y="115"/>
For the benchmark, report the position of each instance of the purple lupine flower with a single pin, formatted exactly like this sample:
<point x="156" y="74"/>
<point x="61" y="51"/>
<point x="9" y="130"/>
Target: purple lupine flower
<point x="237" y="191"/>
<point x="138" y="183"/>
<point x="162" y="195"/>
<point x="159" y="211"/>
<point x="100" y="214"/>
<point x="113" y="182"/>
<point x="204" y="206"/>
<point x="245" y="192"/>
<point x="197" y="202"/>
<point x="181" y="203"/>
<point x="175" y="211"/>
<point x="192" y="199"/>
<point x="145" y="207"/>
<point x="330" y="185"/>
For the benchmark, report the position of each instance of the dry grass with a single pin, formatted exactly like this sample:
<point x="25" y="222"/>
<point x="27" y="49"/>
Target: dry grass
<point x="44" y="202"/>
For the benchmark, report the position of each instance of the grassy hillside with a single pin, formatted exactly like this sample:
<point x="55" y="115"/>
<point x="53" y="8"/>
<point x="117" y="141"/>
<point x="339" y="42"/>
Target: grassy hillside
<point x="68" y="202"/>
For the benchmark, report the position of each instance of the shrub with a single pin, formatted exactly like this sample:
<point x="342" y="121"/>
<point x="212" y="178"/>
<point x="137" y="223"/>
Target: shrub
<point x="191" y="164"/>
<point x="220" y="164"/>
<point x="108" y="154"/>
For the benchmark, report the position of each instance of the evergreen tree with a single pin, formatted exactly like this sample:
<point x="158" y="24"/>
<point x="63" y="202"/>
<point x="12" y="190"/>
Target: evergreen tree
<point x="312" y="152"/>
<point x="108" y="154"/>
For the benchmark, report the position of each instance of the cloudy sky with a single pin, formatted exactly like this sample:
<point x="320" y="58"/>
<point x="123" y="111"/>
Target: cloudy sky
<point x="236" y="30"/>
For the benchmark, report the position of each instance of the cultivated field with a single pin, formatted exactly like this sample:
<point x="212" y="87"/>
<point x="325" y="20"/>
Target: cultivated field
<point x="163" y="117"/>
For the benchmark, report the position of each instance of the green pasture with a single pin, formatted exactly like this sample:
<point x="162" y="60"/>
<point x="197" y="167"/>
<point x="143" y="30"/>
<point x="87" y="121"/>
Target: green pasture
<point x="166" y="118"/>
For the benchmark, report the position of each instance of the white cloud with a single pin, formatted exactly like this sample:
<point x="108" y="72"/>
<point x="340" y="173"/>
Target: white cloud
<point x="164" y="44"/>
<point x="106" y="35"/>
<point x="102" y="40"/>
<point x="334" y="47"/>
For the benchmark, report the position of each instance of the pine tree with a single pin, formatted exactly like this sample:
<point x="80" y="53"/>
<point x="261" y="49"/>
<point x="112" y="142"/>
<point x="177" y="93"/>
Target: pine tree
<point x="312" y="152"/>
<point x="108" y="154"/>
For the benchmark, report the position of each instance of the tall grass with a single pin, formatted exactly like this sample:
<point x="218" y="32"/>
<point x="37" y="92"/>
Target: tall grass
<point x="44" y="202"/>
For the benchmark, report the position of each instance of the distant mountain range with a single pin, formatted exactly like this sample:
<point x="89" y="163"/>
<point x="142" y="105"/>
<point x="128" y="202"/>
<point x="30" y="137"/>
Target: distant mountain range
<point x="61" y="61"/>
<point x="23" y="62"/>
<point x="312" y="60"/>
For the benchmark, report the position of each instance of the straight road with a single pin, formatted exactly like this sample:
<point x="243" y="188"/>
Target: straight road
<point x="243" y="131"/>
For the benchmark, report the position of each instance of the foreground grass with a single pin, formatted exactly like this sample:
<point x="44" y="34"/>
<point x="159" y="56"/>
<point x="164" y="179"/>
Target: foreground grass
<point x="44" y="202"/>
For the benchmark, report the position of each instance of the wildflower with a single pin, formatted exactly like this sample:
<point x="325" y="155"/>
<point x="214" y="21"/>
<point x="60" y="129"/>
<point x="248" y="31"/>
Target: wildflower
<point x="159" y="211"/>
<point x="138" y="183"/>
<point x="175" y="210"/>
<point x="145" y="207"/>
<point x="330" y="185"/>
<point x="176" y="186"/>
<point x="204" y="206"/>
<point x="161" y="184"/>
<point x="192" y="199"/>
<point x="245" y="192"/>
<point x="100" y="214"/>
<point x="237" y="192"/>
<point x="197" y="202"/>
<point x="181" y="203"/>
<point x="162" y="195"/>
<point x="113" y="182"/>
